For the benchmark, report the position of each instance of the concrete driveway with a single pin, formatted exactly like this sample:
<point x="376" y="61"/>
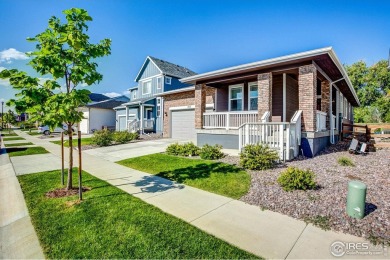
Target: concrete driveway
<point x="119" y="152"/>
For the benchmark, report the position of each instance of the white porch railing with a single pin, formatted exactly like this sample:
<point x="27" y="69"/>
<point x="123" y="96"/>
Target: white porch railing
<point x="228" y="120"/>
<point x="321" y="121"/>
<point x="135" y="125"/>
<point x="281" y="136"/>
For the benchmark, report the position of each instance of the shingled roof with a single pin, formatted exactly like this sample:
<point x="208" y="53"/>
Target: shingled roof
<point x="96" y="97"/>
<point x="171" y="69"/>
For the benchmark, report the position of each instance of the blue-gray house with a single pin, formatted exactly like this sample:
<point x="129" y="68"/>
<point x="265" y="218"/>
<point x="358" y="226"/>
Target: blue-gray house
<point x="145" y="111"/>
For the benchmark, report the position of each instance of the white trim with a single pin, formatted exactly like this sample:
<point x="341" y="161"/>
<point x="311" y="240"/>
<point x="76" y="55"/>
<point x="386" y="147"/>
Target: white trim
<point x="190" y="107"/>
<point x="158" y="106"/>
<point x="157" y="78"/>
<point x="151" y="77"/>
<point x="284" y="98"/>
<point x="142" y="87"/>
<point x="170" y="80"/>
<point x="134" y="92"/>
<point x="144" y="65"/>
<point x="177" y="91"/>
<point x="242" y="98"/>
<point x="251" y="84"/>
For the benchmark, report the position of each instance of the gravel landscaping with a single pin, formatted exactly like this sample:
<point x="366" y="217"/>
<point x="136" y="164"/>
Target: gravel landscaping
<point x="326" y="205"/>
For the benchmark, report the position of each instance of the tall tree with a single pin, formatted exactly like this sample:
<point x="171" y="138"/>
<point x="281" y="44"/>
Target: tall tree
<point x="64" y="52"/>
<point x="372" y="85"/>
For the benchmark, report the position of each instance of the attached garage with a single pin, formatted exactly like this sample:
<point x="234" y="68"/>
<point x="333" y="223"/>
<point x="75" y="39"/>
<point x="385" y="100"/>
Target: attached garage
<point x="183" y="124"/>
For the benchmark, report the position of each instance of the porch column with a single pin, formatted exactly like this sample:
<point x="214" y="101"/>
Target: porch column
<point x="264" y="101"/>
<point x="141" y="125"/>
<point x="127" y="118"/>
<point x="325" y="101"/>
<point x="307" y="86"/>
<point x="200" y="104"/>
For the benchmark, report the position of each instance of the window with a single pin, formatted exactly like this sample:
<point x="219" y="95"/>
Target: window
<point x="134" y="94"/>
<point x="168" y="80"/>
<point x="159" y="82"/>
<point x="235" y="98"/>
<point x="253" y="95"/>
<point x="147" y="87"/>
<point x="158" y="111"/>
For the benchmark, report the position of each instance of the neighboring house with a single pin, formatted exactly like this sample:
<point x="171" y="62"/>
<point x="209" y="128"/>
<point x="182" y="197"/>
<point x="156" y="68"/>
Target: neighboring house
<point x="100" y="113"/>
<point x="293" y="103"/>
<point x="145" y="112"/>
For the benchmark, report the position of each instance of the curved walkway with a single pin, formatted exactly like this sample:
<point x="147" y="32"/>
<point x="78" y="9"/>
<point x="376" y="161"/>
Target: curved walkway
<point x="264" y="233"/>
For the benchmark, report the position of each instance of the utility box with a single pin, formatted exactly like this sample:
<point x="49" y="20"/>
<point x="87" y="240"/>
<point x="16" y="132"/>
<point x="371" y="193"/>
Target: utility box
<point x="356" y="199"/>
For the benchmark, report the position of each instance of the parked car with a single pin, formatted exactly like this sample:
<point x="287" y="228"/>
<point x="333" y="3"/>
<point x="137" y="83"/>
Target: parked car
<point x="44" y="129"/>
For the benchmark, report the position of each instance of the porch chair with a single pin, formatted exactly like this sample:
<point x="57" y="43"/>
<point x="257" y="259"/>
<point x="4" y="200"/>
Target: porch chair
<point x="353" y="146"/>
<point x="363" y="149"/>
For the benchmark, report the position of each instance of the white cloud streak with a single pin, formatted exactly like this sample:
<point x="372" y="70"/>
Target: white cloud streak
<point x="112" y="94"/>
<point x="7" y="56"/>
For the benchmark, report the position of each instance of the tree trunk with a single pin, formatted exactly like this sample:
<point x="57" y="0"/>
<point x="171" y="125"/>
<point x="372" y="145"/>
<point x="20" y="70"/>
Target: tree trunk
<point x="70" y="135"/>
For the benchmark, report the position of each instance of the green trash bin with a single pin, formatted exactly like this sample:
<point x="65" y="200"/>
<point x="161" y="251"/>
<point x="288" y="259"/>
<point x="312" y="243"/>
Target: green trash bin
<point x="356" y="199"/>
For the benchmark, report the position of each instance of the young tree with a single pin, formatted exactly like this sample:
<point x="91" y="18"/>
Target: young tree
<point x="372" y="85"/>
<point x="64" y="52"/>
<point x="9" y="118"/>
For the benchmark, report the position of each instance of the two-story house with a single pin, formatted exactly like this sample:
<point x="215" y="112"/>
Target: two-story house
<point x="145" y="111"/>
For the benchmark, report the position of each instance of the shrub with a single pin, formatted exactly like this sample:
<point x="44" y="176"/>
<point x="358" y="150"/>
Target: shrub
<point x="258" y="157"/>
<point x="102" y="137"/>
<point x="209" y="152"/>
<point x="123" y="137"/>
<point x="345" y="161"/>
<point x="187" y="149"/>
<point x="297" y="179"/>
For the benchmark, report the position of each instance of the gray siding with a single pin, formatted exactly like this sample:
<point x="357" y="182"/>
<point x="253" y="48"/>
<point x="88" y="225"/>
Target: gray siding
<point x="175" y="84"/>
<point x="149" y="70"/>
<point x="154" y="89"/>
<point x="227" y="141"/>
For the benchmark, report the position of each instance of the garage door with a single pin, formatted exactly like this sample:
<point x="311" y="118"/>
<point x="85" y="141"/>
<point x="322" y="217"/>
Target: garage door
<point x="84" y="126"/>
<point x="183" y="124"/>
<point x="122" y="123"/>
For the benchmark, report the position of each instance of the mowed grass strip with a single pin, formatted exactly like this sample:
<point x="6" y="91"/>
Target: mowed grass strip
<point x="34" y="133"/>
<point x="13" y="138"/>
<point x="84" y="141"/>
<point x="18" y="144"/>
<point x="111" y="224"/>
<point x="6" y="133"/>
<point x="22" y="151"/>
<point x="221" y="178"/>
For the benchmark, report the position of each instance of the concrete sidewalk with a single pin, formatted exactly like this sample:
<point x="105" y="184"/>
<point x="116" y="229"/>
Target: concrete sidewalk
<point x="263" y="233"/>
<point x="18" y="239"/>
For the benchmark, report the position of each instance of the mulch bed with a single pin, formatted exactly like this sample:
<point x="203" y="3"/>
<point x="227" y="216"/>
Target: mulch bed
<point x="63" y="192"/>
<point x="328" y="203"/>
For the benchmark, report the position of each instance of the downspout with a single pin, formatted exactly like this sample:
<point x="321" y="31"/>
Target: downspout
<point x="331" y="123"/>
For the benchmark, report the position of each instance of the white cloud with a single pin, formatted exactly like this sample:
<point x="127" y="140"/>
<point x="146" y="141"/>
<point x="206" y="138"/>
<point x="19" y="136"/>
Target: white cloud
<point x="112" y="94"/>
<point x="126" y="93"/>
<point x="83" y="85"/>
<point x="4" y="82"/>
<point x="2" y="68"/>
<point x="12" y="54"/>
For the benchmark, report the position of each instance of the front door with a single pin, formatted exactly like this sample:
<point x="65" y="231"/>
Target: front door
<point x="148" y="114"/>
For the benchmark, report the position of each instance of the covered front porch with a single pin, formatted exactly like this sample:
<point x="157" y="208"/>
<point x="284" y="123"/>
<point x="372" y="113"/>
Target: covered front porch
<point x="141" y="116"/>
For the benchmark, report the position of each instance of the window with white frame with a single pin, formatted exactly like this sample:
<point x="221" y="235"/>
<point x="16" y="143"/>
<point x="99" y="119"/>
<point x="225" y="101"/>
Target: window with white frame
<point x="236" y="97"/>
<point x="159" y="82"/>
<point x="158" y="110"/>
<point x="168" y="80"/>
<point x="253" y="96"/>
<point x="147" y="87"/>
<point x="134" y="94"/>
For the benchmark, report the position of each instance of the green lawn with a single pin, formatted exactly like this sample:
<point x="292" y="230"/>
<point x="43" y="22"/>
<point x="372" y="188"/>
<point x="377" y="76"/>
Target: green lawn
<point x="28" y="129"/>
<point x="13" y="138"/>
<point x="220" y="178"/>
<point x="111" y="224"/>
<point x="84" y="141"/>
<point x="19" y="151"/>
<point x="18" y="144"/>
<point x="7" y="133"/>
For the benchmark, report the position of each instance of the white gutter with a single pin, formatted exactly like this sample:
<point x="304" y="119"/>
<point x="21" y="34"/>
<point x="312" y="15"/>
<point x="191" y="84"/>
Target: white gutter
<point x="256" y="64"/>
<point x="176" y="91"/>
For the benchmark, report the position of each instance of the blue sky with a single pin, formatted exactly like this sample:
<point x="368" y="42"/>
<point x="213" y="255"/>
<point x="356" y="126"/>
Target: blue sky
<point x="201" y="35"/>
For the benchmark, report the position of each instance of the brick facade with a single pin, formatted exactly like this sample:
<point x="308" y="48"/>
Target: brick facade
<point x="325" y="95"/>
<point x="184" y="99"/>
<point x="307" y="85"/>
<point x="200" y="104"/>
<point x="264" y="82"/>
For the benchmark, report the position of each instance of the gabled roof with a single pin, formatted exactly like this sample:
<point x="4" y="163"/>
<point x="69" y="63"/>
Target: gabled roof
<point x="110" y="103"/>
<point x="167" y="68"/>
<point x="96" y="97"/>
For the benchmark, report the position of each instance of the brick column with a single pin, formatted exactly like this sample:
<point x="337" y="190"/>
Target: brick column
<point x="264" y="84"/>
<point x="200" y="105"/>
<point x="307" y="85"/>
<point x="325" y="94"/>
